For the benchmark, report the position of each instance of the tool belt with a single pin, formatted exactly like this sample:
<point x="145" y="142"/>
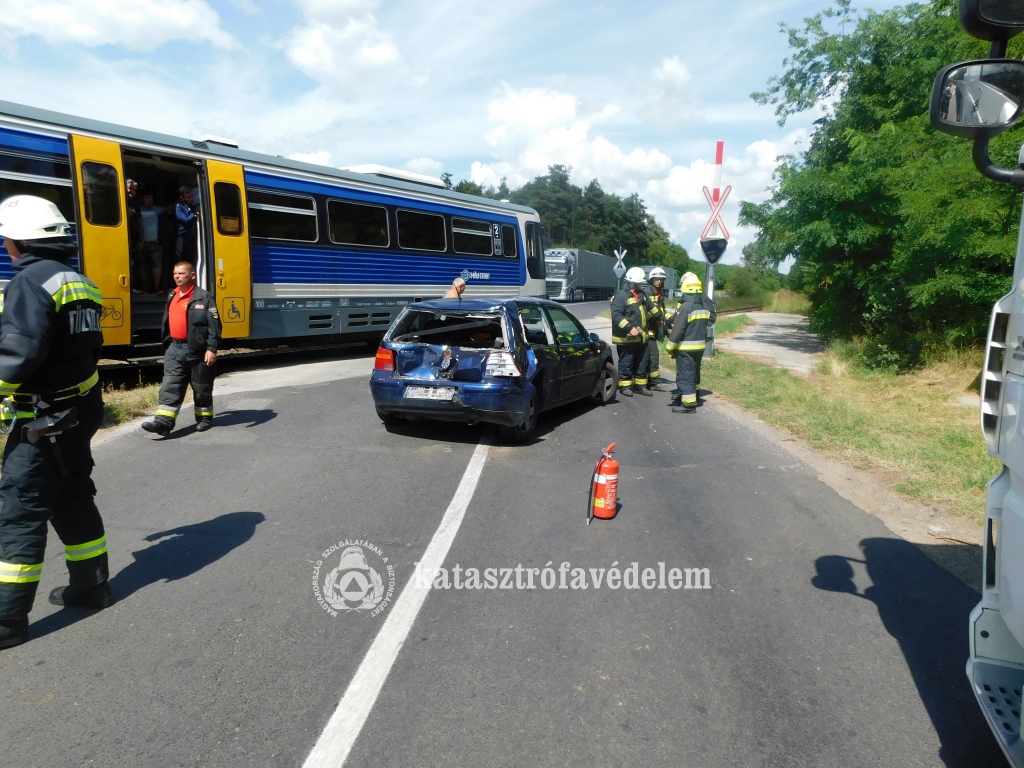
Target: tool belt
<point x="25" y="406"/>
<point x="76" y="390"/>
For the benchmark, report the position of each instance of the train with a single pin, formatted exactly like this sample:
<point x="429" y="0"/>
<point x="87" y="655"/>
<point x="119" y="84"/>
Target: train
<point x="295" y="253"/>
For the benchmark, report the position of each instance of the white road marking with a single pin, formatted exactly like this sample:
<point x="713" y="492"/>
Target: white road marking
<point x="332" y="748"/>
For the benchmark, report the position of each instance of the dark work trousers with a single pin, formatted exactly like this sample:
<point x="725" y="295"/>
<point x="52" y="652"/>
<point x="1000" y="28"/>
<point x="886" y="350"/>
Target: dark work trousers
<point x="654" y="362"/>
<point x="631" y="358"/>
<point x="179" y="372"/>
<point x="33" y="489"/>
<point x="688" y="375"/>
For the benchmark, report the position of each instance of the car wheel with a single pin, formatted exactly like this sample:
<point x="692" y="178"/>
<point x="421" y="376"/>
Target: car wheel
<point x="607" y="383"/>
<point x="521" y="432"/>
<point x="388" y="418"/>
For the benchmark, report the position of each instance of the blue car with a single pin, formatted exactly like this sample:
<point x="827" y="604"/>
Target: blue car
<point x="499" y="361"/>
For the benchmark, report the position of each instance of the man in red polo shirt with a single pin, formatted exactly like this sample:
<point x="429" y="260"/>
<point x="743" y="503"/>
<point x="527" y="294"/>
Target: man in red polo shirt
<point x="191" y="335"/>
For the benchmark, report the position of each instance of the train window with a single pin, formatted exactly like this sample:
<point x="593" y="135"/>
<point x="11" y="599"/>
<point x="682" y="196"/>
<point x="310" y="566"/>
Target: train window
<point x="421" y="231"/>
<point x="357" y="224"/>
<point x="227" y="198"/>
<point x="508" y="242"/>
<point x="281" y="217"/>
<point x="471" y="236"/>
<point x="101" y="193"/>
<point x="12" y="162"/>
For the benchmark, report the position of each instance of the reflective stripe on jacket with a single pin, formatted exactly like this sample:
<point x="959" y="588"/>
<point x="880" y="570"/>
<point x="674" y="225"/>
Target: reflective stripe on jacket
<point x="690" y="323"/>
<point x="629" y="311"/>
<point x="50" y="337"/>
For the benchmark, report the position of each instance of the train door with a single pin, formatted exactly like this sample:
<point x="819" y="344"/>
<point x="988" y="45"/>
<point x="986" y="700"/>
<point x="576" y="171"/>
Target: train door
<point x="103" y="232"/>
<point x="230" y="267"/>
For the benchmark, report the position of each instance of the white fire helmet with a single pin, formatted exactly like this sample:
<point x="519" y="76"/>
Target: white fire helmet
<point x="657" y="273"/>
<point x="635" y="275"/>
<point x="27" y="217"/>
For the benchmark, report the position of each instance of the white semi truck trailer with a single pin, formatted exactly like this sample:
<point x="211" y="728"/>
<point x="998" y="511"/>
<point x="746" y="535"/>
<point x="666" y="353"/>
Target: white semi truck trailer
<point x="979" y="100"/>
<point x="575" y="275"/>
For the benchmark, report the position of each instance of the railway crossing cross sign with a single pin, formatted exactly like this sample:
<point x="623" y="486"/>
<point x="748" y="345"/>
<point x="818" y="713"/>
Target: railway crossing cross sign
<point x="619" y="268"/>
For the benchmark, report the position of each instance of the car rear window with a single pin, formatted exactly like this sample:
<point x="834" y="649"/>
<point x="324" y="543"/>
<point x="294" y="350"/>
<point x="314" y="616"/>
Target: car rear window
<point x="480" y="330"/>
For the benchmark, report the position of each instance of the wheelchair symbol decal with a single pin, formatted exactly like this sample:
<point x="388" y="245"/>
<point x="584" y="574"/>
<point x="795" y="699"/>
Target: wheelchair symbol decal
<point x="234" y="309"/>
<point x="112" y="315"/>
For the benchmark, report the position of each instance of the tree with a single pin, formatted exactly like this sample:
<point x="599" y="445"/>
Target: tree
<point x="896" y="236"/>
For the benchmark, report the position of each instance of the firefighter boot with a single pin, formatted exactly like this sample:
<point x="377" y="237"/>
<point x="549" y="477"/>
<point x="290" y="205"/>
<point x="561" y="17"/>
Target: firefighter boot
<point x="625" y="391"/>
<point x="157" y="428"/>
<point x="204" y="424"/>
<point x="684" y="409"/>
<point x="13" y="632"/>
<point x="97" y="597"/>
<point x="643" y="391"/>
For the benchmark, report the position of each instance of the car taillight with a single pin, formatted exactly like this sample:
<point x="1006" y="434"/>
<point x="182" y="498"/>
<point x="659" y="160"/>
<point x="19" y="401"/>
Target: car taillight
<point x="385" y="360"/>
<point x="502" y="364"/>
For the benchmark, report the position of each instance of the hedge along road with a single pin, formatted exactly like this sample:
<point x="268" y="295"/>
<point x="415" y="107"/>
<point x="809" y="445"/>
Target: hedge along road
<point x="822" y="639"/>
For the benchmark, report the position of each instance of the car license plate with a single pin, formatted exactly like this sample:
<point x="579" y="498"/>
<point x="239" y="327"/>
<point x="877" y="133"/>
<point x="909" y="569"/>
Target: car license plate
<point x="431" y="393"/>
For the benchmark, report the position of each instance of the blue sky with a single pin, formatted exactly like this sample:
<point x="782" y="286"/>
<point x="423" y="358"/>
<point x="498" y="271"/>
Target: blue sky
<point x="634" y="94"/>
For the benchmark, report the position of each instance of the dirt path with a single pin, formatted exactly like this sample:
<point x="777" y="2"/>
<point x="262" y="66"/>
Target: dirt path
<point x="782" y="341"/>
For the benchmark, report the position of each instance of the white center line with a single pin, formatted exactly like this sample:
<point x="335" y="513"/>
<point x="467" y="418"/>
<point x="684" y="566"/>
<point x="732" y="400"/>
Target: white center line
<point x="332" y="748"/>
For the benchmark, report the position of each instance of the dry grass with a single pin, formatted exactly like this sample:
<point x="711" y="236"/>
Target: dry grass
<point x="730" y="324"/>
<point x="121" y="405"/>
<point x="788" y="302"/>
<point x="907" y="427"/>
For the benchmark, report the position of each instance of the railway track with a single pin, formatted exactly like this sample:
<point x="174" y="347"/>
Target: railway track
<point x="737" y="310"/>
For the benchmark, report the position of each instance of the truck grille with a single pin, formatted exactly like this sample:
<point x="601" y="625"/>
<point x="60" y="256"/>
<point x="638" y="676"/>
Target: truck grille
<point x="554" y="288"/>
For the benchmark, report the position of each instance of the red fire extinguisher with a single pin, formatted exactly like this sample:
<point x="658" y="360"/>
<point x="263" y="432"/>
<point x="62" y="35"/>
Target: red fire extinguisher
<point x="604" y="487"/>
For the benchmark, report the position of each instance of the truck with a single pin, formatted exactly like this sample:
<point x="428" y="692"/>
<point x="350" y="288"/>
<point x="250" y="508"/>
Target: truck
<point x="978" y="100"/>
<point x="575" y="275"/>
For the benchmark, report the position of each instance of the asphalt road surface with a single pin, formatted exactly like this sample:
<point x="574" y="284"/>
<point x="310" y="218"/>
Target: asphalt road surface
<point x="823" y="640"/>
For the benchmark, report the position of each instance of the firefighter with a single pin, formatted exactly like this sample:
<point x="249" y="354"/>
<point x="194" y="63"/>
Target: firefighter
<point x="687" y="339"/>
<point x="656" y="300"/>
<point x="191" y="336"/>
<point x="50" y="341"/>
<point x="629" y="333"/>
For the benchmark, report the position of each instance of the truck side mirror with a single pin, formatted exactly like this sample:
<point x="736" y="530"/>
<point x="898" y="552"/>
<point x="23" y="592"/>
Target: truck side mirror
<point x="992" y="20"/>
<point x="978" y="99"/>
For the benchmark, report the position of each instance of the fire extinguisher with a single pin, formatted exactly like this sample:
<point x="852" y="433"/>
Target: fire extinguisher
<point x="604" y="487"/>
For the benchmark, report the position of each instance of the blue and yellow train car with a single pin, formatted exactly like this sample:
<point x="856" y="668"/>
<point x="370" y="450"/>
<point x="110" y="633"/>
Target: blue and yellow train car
<point x="294" y="252"/>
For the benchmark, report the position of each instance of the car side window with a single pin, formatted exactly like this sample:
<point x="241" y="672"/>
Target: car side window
<point x="567" y="328"/>
<point x="535" y="328"/>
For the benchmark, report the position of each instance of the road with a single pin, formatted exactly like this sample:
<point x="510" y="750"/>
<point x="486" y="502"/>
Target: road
<point x="823" y="639"/>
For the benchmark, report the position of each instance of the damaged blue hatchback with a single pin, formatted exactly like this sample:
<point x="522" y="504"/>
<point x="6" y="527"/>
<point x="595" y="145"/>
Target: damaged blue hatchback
<point x="500" y="361"/>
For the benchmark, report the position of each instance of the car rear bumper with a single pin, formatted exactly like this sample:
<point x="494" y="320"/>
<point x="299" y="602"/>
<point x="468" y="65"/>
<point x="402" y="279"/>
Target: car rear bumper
<point x="500" y="403"/>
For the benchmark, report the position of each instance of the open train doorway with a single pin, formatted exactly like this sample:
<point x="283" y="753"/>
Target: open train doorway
<point x="165" y="226"/>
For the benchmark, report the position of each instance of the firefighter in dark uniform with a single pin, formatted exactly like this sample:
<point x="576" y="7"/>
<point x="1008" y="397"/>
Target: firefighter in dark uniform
<point x="656" y="299"/>
<point x="687" y="340"/>
<point x="191" y="336"/>
<point x="50" y="341"/>
<point x="630" y="313"/>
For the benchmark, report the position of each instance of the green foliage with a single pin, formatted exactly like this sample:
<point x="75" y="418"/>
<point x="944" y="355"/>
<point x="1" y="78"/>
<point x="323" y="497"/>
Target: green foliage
<point x="896" y="235"/>
<point x="590" y="218"/>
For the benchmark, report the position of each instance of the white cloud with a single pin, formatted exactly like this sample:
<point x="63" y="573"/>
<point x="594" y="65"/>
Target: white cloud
<point x="670" y="101"/>
<point x="538" y="128"/>
<point x="137" y="24"/>
<point x="425" y="166"/>
<point x="341" y="44"/>
<point x="316" y="158"/>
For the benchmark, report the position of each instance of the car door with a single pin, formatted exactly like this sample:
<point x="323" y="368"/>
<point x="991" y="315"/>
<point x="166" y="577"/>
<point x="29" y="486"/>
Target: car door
<point x="580" y="358"/>
<point x="538" y="335"/>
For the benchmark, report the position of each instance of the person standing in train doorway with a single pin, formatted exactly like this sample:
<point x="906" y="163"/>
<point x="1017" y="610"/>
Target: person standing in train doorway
<point x="191" y="335"/>
<point x="187" y="214"/>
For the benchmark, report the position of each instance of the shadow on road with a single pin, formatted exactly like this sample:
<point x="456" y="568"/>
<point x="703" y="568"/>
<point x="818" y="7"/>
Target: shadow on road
<point x="184" y="551"/>
<point x="251" y="418"/>
<point x="925" y="609"/>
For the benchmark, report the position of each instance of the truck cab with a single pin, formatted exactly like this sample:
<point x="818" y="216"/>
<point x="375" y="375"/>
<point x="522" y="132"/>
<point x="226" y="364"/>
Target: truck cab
<point x="561" y="267"/>
<point x="978" y="100"/>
